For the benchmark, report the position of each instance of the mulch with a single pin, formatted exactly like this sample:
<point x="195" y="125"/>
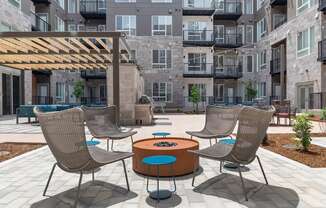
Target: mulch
<point x="9" y="149"/>
<point x="315" y="157"/>
<point x="316" y="118"/>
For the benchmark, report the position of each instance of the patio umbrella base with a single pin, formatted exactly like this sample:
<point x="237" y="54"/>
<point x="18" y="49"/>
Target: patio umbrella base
<point x="160" y="195"/>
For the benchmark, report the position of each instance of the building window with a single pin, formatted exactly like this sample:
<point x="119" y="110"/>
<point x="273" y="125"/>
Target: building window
<point x="15" y="3"/>
<point x="72" y="28"/>
<point x="5" y="27"/>
<point x="161" y="1"/>
<point x="162" y="25"/>
<point x="60" y="92"/>
<point x="262" y="61"/>
<point x="132" y="56"/>
<point x="260" y="4"/>
<point x="305" y="41"/>
<point x="72" y="6"/>
<point x="59" y="24"/>
<point x="126" y="24"/>
<point x="61" y="3"/>
<point x="162" y="91"/>
<point x="261" y="28"/>
<point x="248" y="6"/>
<point x="249" y="34"/>
<point x="303" y="5"/>
<point x="162" y="59"/>
<point x="202" y="91"/>
<point x="197" y="62"/>
<point x="249" y="63"/>
<point x="261" y="89"/>
<point x="125" y="1"/>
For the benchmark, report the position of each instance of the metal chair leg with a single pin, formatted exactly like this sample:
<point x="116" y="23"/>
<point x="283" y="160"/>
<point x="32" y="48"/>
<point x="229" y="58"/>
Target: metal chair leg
<point x="221" y="166"/>
<point x="93" y="176"/>
<point x="107" y="144"/>
<point x="193" y="176"/>
<point x="242" y="183"/>
<point x="126" y="176"/>
<point x="262" y="169"/>
<point x="49" y="179"/>
<point x="210" y="142"/>
<point x="78" y="189"/>
<point x="132" y="140"/>
<point x="112" y="145"/>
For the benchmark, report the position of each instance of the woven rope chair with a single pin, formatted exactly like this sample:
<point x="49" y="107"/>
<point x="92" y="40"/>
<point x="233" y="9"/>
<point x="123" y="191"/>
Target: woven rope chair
<point x="64" y="133"/>
<point x="220" y="123"/>
<point x="253" y="124"/>
<point x="102" y="123"/>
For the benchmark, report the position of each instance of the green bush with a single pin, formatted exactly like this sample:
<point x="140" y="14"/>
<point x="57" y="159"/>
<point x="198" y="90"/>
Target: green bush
<point x="323" y="114"/>
<point x="195" y="96"/>
<point x="302" y="129"/>
<point x="78" y="89"/>
<point x="310" y="114"/>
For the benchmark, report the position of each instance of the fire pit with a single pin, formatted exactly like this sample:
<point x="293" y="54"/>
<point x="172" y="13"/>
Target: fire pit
<point x="177" y="147"/>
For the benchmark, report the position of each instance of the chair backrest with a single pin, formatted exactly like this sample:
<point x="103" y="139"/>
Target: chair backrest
<point x="253" y="124"/>
<point x="64" y="133"/>
<point x="221" y="120"/>
<point x="100" y="119"/>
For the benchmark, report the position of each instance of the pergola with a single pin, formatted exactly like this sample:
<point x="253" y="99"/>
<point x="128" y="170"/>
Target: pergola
<point x="65" y="51"/>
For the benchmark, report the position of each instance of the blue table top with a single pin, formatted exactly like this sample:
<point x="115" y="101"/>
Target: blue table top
<point x="161" y="133"/>
<point x="159" y="160"/>
<point x="92" y="143"/>
<point x="227" y="141"/>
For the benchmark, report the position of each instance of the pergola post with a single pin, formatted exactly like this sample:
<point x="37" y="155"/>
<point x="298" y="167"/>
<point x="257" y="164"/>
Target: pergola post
<point x="116" y="75"/>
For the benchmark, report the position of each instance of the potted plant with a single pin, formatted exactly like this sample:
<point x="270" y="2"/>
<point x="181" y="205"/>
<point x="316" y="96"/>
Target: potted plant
<point x="195" y="97"/>
<point x="302" y="129"/>
<point x="78" y="90"/>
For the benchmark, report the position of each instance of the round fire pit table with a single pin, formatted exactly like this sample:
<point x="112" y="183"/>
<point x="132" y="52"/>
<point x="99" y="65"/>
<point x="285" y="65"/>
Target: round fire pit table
<point x="178" y="147"/>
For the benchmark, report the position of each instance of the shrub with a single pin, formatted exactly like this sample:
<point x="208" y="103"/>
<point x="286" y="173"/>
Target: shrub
<point x="195" y="96"/>
<point x="323" y="114"/>
<point x="302" y="129"/>
<point x="78" y="89"/>
<point x="310" y="114"/>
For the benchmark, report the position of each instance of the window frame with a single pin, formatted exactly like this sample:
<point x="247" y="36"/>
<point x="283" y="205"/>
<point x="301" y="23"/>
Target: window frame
<point x="165" y="26"/>
<point x="158" y="98"/>
<point x="166" y="60"/>
<point x="130" y="29"/>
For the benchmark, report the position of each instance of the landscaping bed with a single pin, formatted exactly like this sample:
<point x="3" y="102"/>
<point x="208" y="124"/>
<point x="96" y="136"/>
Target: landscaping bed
<point x="315" y="118"/>
<point x="9" y="149"/>
<point x="281" y="144"/>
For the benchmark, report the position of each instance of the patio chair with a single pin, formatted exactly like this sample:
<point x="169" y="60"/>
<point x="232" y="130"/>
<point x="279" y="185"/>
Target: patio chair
<point x="220" y="123"/>
<point x="253" y="124"/>
<point x="64" y="133"/>
<point x="101" y="122"/>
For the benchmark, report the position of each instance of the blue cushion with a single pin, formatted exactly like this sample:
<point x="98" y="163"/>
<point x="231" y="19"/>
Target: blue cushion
<point x="159" y="160"/>
<point x="161" y="134"/>
<point x="92" y="143"/>
<point x="227" y="141"/>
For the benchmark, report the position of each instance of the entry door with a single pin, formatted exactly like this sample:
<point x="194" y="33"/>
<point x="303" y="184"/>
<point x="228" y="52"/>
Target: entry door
<point x="219" y="31"/>
<point x="16" y="92"/>
<point x="230" y="35"/>
<point x="72" y="97"/>
<point x="219" y="63"/>
<point x="6" y="94"/>
<point x="303" y="96"/>
<point x="43" y="94"/>
<point x="230" y="95"/>
<point x="219" y="92"/>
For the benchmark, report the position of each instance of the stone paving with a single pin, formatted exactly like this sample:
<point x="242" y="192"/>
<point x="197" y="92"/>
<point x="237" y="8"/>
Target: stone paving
<point x="292" y="184"/>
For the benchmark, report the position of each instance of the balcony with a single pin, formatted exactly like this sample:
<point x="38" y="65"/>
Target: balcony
<point x="198" y="8"/>
<point x="278" y="22"/>
<point x="322" y="51"/>
<point x="203" y="70"/>
<point x="275" y="67"/>
<point x="227" y="10"/>
<point x="38" y="24"/>
<point x="198" y="37"/>
<point x="228" y="40"/>
<point x="322" y="5"/>
<point x="95" y="74"/>
<point x="41" y="1"/>
<point x="93" y="9"/>
<point x="228" y="72"/>
<point x="278" y="2"/>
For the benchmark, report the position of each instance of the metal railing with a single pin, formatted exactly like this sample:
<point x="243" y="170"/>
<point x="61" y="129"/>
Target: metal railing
<point x="39" y="24"/>
<point x="228" y="71"/>
<point x="93" y="74"/>
<point x="275" y="66"/>
<point x="198" y="4"/>
<point x="280" y="22"/>
<point x="93" y="6"/>
<point x="42" y="100"/>
<point x="322" y="5"/>
<point x="322" y="50"/>
<point x="200" y="69"/>
<point x="228" y="39"/>
<point x="93" y="100"/>
<point x="317" y="100"/>
<point x="223" y="7"/>
<point x="198" y="35"/>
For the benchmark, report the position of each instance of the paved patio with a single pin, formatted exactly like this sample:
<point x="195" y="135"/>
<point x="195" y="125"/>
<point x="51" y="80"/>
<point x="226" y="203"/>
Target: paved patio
<point x="23" y="178"/>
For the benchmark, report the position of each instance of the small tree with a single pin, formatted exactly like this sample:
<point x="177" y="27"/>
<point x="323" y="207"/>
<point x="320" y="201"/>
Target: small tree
<point x="250" y="91"/>
<point x="302" y="129"/>
<point x="78" y="89"/>
<point x="195" y="96"/>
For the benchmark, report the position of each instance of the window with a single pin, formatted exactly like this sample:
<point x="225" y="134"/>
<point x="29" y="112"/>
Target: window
<point x="219" y="92"/>
<point x="4" y="27"/>
<point x="249" y="63"/>
<point x="60" y="92"/>
<point x="162" y="1"/>
<point x="61" y="3"/>
<point x="59" y="24"/>
<point x="260" y="4"/>
<point x="126" y="24"/>
<point x="305" y="41"/>
<point x="241" y="31"/>
<point x="72" y="6"/>
<point x="162" y="91"/>
<point x="43" y="24"/>
<point x="132" y="56"/>
<point x="162" y="25"/>
<point x="125" y="1"/>
<point x="72" y="28"/>
<point x="302" y="5"/>
<point x="197" y="62"/>
<point x="15" y="3"/>
<point x="202" y="91"/>
<point x="161" y="59"/>
<point x="261" y="89"/>
<point x="261" y="60"/>
<point x="261" y="28"/>
<point x="248" y="6"/>
<point x="249" y="34"/>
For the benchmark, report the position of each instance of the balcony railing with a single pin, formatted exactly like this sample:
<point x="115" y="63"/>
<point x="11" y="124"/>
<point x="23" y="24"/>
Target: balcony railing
<point x="228" y="72"/>
<point x="38" y="24"/>
<point x="93" y="74"/>
<point x="198" y="70"/>
<point x="93" y="100"/>
<point x="322" y="51"/>
<point x="322" y="5"/>
<point x="93" y="8"/>
<point x="278" y="2"/>
<point x="279" y="22"/>
<point x="228" y="40"/>
<point x="41" y="1"/>
<point x="227" y="10"/>
<point x="275" y="66"/>
<point x="42" y="100"/>
<point x="227" y="100"/>
<point x="198" y="7"/>
<point x="317" y="100"/>
<point x="198" y="37"/>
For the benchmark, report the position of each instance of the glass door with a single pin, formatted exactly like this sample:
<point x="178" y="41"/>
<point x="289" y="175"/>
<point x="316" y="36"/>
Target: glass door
<point x="219" y="32"/>
<point x="303" y="96"/>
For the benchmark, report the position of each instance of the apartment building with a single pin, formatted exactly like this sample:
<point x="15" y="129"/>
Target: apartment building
<point x="14" y="16"/>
